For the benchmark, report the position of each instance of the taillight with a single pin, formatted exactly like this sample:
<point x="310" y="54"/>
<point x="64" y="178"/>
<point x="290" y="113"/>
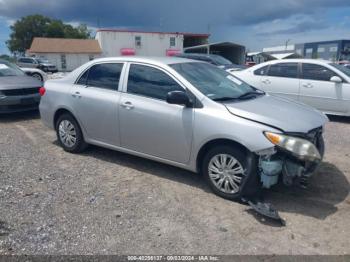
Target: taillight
<point x="42" y="91"/>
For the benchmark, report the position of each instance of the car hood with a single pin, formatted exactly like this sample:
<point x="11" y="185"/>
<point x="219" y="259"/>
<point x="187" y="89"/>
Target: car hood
<point x="17" y="82"/>
<point x="280" y="113"/>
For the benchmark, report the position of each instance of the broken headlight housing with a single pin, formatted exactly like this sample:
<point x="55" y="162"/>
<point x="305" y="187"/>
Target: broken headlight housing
<point x="301" y="148"/>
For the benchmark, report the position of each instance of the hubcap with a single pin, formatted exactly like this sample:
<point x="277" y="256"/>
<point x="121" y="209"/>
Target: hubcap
<point x="67" y="133"/>
<point x="226" y="173"/>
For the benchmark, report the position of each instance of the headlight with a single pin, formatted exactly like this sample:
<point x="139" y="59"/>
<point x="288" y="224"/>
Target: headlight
<point x="301" y="148"/>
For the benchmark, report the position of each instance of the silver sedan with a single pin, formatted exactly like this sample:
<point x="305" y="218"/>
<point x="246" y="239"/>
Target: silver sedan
<point x="188" y="114"/>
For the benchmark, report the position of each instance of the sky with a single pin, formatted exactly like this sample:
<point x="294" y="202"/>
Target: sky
<point x="253" y="23"/>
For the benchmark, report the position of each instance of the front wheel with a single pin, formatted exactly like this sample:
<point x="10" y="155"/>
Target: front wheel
<point x="69" y="134"/>
<point x="230" y="172"/>
<point x="38" y="76"/>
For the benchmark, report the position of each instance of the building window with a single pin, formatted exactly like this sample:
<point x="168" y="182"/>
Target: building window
<point x="63" y="62"/>
<point x="138" y="41"/>
<point x="299" y="52"/>
<point x="172" y="41"/>
<point x="91" y="57"/>
<point x="333" y="49"/>
<point x="309" y="51"/>
<point x="320" y="50"/>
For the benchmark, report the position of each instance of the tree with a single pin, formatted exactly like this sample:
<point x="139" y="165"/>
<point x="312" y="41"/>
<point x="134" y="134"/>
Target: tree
<point x="26" y="28"/>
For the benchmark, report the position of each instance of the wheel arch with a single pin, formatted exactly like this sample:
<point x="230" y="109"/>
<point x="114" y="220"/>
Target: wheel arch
<point x="217" y="142"/>
<point x="63" y="110"/>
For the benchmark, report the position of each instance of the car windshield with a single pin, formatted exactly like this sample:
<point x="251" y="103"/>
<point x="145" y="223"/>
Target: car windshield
<point x="342" y="69"/>
<point x="220" y="60"/>
<point x="43" y="61"/>
<point x="214" y="82"/>
<point x="8" y="69"/>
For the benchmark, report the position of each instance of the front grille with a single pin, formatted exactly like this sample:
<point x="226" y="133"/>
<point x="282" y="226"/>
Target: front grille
<point x="21" y="92"/>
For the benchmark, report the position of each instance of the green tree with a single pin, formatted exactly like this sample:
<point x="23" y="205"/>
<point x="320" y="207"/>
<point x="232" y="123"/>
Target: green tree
<point x="28" y="27"/>
<point x="24" y="30"/>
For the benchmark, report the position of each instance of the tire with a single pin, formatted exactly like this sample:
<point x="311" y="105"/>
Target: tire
<point x="67" y="127"/>
<point x="38" y="76"/>
<point x="246" y="167"/>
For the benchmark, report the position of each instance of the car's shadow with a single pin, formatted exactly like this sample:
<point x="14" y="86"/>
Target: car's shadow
<point x="340" y="119"/>
<point x="328" y="187"/>
<point x="19" y="116"/>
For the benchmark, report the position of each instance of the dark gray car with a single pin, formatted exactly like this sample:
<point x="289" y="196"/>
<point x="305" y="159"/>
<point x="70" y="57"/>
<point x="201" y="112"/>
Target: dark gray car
<point x="18" y="92"/>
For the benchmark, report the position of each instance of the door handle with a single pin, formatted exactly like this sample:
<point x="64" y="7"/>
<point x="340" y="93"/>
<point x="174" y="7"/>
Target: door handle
<point x="308" y="85"/>
<point x="127" y="105"/>
<point x="76" y="94"/>
<point x="267" y="81"/>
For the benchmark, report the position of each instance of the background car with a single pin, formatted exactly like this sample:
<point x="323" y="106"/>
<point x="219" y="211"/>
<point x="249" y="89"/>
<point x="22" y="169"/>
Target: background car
<point x="18" y="92"/>
<point x="188" y="114"/>
<point x="216" y="60"/>
<point x="32" y="62"/>
<point x="321" y="84"/>
<point x="36" y="73"/>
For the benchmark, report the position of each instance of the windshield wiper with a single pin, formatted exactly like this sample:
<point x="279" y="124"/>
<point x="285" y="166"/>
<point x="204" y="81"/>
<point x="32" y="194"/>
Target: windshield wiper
<point x="225" y="98"/>
<point x="250" y="93"/>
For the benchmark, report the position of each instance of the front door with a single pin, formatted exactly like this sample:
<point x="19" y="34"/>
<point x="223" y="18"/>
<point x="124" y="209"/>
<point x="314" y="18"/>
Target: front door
<point x="148" y="124"/>
<point x="95" y="102"/>
<point x="318" y="91"/>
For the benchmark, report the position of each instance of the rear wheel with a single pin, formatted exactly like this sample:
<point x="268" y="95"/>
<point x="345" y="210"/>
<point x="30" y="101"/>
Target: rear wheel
<point x="230" y="172"/>
<point x="69" y="134"/>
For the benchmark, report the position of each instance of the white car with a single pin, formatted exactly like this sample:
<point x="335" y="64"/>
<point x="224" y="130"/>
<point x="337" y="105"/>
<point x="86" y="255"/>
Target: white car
<point x="36" y="73"/>
<point x="321" y="84"/>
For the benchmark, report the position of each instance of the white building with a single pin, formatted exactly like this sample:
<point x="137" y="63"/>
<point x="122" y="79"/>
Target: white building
<point x="66" y="54"/>
<point x="121" y="42"/>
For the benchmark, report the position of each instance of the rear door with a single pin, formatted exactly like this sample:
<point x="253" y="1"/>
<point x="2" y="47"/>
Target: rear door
<point x="95" y="100"/>
<point x="282" y="80"/>
<point x="318" y="91"/>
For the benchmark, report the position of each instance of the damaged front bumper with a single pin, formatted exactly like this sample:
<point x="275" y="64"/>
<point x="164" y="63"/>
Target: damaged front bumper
<point x="277" y="163"/>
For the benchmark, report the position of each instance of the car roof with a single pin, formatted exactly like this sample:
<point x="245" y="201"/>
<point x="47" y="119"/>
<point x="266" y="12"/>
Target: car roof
<point x="299" y="60"/>
<point x="146" y="59"/>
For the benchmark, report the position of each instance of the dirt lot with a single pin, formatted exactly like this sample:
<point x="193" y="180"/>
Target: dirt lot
<point x="105" y="202"/>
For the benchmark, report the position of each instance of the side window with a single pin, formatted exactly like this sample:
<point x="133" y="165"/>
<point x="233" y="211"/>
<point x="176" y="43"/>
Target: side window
<point x="104" y="76"/>
<point x="261" y="71"/>
<point x="150" y="82"/>
<point x="317" y="72"/>
<point x="289" y="70"/>
<point x="82" y="80"/>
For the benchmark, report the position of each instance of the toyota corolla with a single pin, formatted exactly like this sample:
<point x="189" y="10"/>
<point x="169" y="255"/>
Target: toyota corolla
<point x="188" y="114"/>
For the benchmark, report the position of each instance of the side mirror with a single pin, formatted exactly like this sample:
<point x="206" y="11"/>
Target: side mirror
<point x="336" y="79"/>
<point x="179" y="98"/>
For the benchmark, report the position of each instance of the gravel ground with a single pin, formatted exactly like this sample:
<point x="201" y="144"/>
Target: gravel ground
<point x="105" y="202"/>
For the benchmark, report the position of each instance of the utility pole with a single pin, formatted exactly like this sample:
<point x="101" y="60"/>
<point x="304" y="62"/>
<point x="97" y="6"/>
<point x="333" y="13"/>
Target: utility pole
<point x="288" y="40"/>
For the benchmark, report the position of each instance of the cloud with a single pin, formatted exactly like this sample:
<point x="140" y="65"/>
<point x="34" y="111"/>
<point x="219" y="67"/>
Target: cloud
<point x="301" y="27"/>
<point x="251" y="22"/>
<point x="172" y="15"/>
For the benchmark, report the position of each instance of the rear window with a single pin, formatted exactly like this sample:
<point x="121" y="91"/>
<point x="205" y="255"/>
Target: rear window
<point x="289" y="70"/>
<point x="8" y="69"/>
